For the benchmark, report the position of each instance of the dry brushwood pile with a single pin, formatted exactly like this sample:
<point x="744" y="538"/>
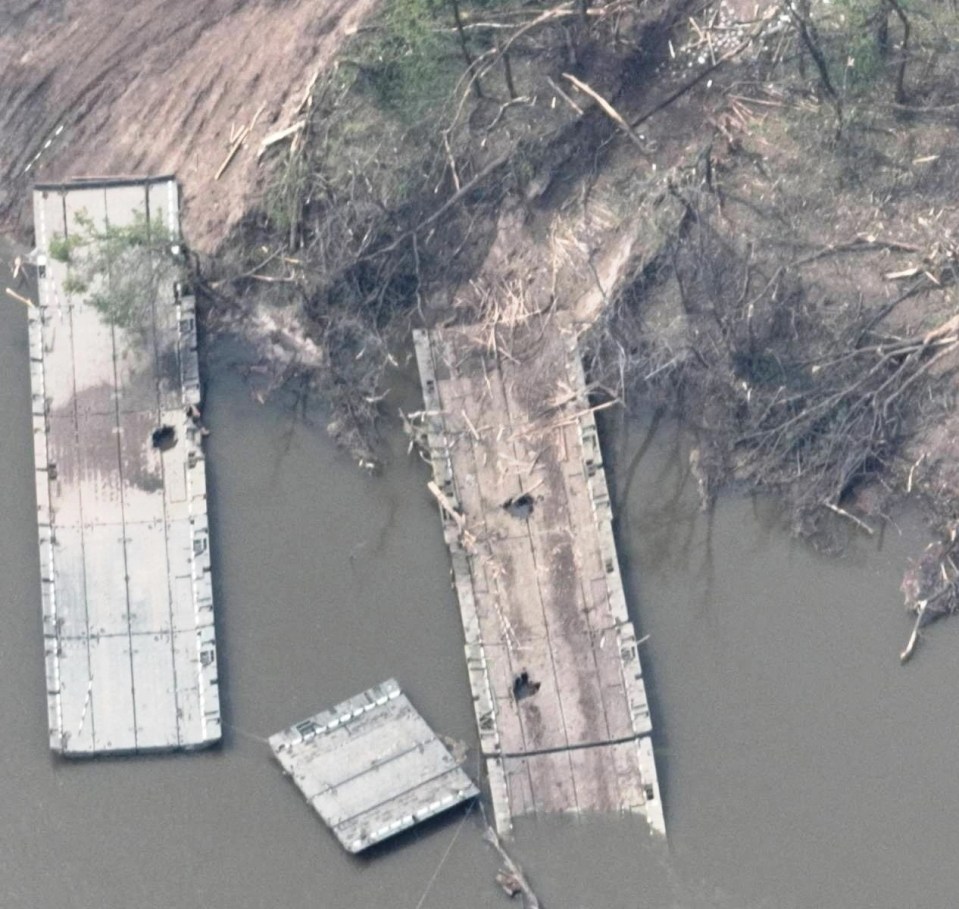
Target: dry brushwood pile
<point x="388" y="187"/>
<point x="744" y="213"/>
<point x="787" y="389"/>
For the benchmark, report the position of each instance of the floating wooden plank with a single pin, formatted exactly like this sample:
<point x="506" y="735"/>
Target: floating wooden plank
<point x="551" y="653"/>
<point x="20" y="298"/>
<point x="371" y="767"/>
<point x="124" y="542"/>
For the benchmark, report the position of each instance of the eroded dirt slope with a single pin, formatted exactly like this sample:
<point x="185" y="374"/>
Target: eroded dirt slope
<point x="155" y="86"/>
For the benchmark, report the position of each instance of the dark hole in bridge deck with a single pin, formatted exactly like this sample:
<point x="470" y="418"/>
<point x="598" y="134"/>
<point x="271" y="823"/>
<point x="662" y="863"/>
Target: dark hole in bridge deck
<point x="524" y="686"/>
<point x="163" y="438"/>
<point x="521" y="507"/>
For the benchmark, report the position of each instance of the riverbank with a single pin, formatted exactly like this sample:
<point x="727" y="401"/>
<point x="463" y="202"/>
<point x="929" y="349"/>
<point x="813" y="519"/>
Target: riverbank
<point x="663" y="180"/>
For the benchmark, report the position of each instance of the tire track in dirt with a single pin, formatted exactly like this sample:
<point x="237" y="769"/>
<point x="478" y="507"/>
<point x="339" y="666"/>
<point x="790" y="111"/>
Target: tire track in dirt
<point x="156" y="87"/>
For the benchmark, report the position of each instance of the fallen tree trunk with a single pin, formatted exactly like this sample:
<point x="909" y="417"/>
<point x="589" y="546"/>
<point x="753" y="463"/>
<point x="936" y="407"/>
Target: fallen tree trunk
<point x="511" y="878"/>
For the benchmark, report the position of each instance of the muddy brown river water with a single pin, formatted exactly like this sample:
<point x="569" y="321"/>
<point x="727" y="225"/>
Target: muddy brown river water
<point x="802" y="766"/>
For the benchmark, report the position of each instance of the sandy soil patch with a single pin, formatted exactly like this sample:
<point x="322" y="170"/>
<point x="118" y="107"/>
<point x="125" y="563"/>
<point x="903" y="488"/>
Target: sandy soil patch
<point x="155" y="87"/>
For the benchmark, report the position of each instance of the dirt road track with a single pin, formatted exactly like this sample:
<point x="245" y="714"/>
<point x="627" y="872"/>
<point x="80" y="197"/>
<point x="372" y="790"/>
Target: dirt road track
<point x="155" y="86"/>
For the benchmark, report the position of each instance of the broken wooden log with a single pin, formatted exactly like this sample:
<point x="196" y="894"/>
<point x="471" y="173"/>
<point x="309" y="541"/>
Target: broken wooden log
<point x="238" y="143"/>
<point x="18" y="297"/>
<point x="511" y="873"/>
<point x="914" y="637"/>
<point x="279" y="136"/>
<point x="231" y="154"/>
<point x="446" y="504"/>
<point x="862" y="525"/>
<point x="509" y="882"/>
<point x="607" y="109"/>
<point x="931" y="588"/>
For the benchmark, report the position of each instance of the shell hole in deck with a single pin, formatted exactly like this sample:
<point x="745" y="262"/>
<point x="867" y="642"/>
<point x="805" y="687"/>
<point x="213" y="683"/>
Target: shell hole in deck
<point x="520" y="507"/>
<point x="163" y="438"/>
<point x="524" y="686"/>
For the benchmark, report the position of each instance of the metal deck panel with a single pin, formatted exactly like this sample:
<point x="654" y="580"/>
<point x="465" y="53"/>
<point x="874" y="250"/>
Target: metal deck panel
<point x="63" y="466"/>
<point x="97" y="469"/>
<point x="164" y="205"/>
<point x="137" y="374"/>
<point x="67" y="566"/>
<point x="183" y="608"/>
<point x="171" y="395"/>
<point x="408" y="771"/>
<point x="124" y="203"/>
<point x="111" y="700"/>
<point x="142" y="467"/>
<point x="76" y="722"/>
<point x="155" y="691"/>
<point x="371" y="767"/>
<point x="104" y="563"/>
<point x="148" y="588"/>
<point x="174" y="467"/>
<point x="194" y="657"/>
<point x="120" y="512"/>
<point x="83" y="340"/>
<point x="90" y="345"/>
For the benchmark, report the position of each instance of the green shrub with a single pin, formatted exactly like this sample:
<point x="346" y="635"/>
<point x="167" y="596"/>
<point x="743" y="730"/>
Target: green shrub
<point x="125" y="265"/>
<point x="73" y="284"/>
<point x="61" y="247"/>
<point x="410" y="64"/>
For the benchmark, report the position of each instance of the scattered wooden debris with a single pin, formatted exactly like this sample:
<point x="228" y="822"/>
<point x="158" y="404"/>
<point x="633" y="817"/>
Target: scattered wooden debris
<point x="446" y="504"/>
<point x="270" y="279"/>
<point x="278" y="136"/>
<point x="899" y="275"/>
<point x="511" y="877"/>
<point x="912" y="471"/>
<point x="862" y="525"/>
<point x="509" y="882"/>
<point x="238" y="143"/>
<point x="234" y="148"/>
<point x="607" y="109"/>
<point x="942" y="332"/>
<point x="559" y="91"/>
<point x="18" y="297"/>
<point x="931" y="588"/>
<point x="914" y="637"/>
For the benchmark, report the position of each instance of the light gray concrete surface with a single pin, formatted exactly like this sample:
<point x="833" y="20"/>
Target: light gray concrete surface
<point x="123" y="534"/>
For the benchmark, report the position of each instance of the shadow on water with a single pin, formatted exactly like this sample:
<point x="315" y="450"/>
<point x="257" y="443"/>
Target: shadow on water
<point x="625" y="446"/>
<point x="802" y="764"/>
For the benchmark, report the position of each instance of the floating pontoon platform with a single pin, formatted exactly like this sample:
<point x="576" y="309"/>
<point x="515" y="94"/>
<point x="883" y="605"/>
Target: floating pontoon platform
<point x="124" y="541"/>
<point x="552" y="657"/>
<point x="372" y="767"/>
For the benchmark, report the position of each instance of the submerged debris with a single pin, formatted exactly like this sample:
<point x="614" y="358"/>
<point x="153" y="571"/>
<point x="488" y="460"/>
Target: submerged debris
<point x="509" y="882"/>
<point x="931" y="588"/>
<point x="511" y="875"/>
